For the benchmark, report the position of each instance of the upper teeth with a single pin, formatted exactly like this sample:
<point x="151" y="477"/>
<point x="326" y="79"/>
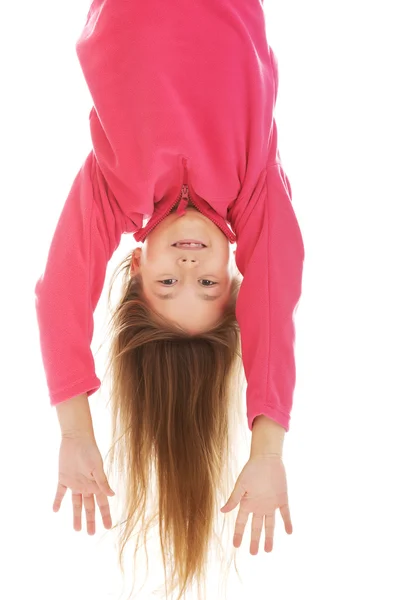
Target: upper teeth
<point x="192" y="244"/>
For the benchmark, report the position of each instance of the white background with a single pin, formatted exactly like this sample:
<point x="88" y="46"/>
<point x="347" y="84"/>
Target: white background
<point x="338" y="120"/>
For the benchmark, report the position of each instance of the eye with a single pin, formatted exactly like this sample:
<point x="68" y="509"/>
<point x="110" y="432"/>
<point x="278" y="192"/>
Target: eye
<point x="165" y="282"/>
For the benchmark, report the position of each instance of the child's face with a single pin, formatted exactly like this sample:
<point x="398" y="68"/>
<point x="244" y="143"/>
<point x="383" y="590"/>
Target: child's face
<point x="186" y="274"/>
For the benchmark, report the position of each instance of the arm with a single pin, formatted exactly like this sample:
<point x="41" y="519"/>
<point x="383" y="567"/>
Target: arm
<point x="267" y="437"/>
<point x="270" y="256"/>
<point x="88" y="232"/>
<point x="74" y="417"/>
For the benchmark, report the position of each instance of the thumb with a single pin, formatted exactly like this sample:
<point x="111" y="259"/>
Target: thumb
<point x="102" y="482"/>
<point x="234" y="498"/>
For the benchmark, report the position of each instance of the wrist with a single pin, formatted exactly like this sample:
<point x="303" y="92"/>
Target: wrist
<point x="267" y="437"/>
<point x="74" y="417"/>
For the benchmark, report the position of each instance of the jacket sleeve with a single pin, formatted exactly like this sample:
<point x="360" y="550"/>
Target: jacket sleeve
<point x="269" y="255"/>
<point x="88" y="232"/>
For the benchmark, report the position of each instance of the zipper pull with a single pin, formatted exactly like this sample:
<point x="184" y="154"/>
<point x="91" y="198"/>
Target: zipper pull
<point x="184" y="200"/>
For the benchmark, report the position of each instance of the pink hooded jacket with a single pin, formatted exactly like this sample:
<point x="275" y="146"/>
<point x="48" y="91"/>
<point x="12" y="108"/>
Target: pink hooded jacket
<point x="183" y="103"/>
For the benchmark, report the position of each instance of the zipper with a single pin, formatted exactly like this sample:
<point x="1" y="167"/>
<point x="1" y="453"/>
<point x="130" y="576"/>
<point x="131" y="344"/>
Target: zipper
<point x="184" y="193"/>
<point x="186" y="196"/>
<point x="182" y="201"/>
<point x="147" y="231"/>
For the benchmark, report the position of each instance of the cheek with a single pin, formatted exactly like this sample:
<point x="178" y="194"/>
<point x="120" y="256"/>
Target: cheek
<point x="154" y="247"/>
<point x="157" y="259"/>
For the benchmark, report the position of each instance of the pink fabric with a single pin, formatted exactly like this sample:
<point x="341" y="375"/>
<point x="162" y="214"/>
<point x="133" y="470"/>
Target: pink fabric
<point x="183" y="92"/>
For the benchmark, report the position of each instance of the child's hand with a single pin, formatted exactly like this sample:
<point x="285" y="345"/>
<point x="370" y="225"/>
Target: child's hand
<point x="261" y="488"/>
<point x="81" y="469"/>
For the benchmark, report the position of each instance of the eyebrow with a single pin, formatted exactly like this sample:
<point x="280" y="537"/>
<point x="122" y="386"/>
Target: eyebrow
<point x="172" y="296"/>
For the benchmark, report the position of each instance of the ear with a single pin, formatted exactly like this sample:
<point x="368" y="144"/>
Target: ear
<point x="135" y="263"/>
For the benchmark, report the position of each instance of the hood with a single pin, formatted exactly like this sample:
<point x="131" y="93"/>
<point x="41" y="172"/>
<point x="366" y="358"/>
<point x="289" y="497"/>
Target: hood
<point x="165" y="206"/>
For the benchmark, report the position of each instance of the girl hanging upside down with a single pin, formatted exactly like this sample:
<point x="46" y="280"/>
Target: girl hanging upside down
<point x="185" y="158"/>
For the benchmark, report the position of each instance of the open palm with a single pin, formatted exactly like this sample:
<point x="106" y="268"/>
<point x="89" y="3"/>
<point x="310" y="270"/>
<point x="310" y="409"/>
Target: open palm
<point x="261" y="488"/>
<point x="81" y="470"/>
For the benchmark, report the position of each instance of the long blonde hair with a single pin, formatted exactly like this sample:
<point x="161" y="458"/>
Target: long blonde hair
<point x="175" y="404"/>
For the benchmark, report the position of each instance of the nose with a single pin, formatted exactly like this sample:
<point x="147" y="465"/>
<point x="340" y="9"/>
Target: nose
<point x="188" y="262"/>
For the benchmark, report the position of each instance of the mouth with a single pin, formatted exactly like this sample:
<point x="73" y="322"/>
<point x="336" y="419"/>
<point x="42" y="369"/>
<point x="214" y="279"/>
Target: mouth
<point x="189" y="245"/>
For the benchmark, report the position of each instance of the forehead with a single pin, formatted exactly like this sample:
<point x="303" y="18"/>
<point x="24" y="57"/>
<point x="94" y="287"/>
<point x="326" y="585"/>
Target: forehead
<point x="194" y="316"/>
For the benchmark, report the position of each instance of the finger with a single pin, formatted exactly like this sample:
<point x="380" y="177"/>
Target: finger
<point x="102" y="482"/>
<point x="235" y="497"/>
<point x="60" y="493"/>
<point x="285" y="512"/>
<point x="256" y="528"/>
<point x="269" y="531"/>
<point x="90" y="487"/>
<point x="88" y="502"/>
<point x="102" y="503"/>
<point x="241" y="521"/>
<point x="77" y="510"/>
